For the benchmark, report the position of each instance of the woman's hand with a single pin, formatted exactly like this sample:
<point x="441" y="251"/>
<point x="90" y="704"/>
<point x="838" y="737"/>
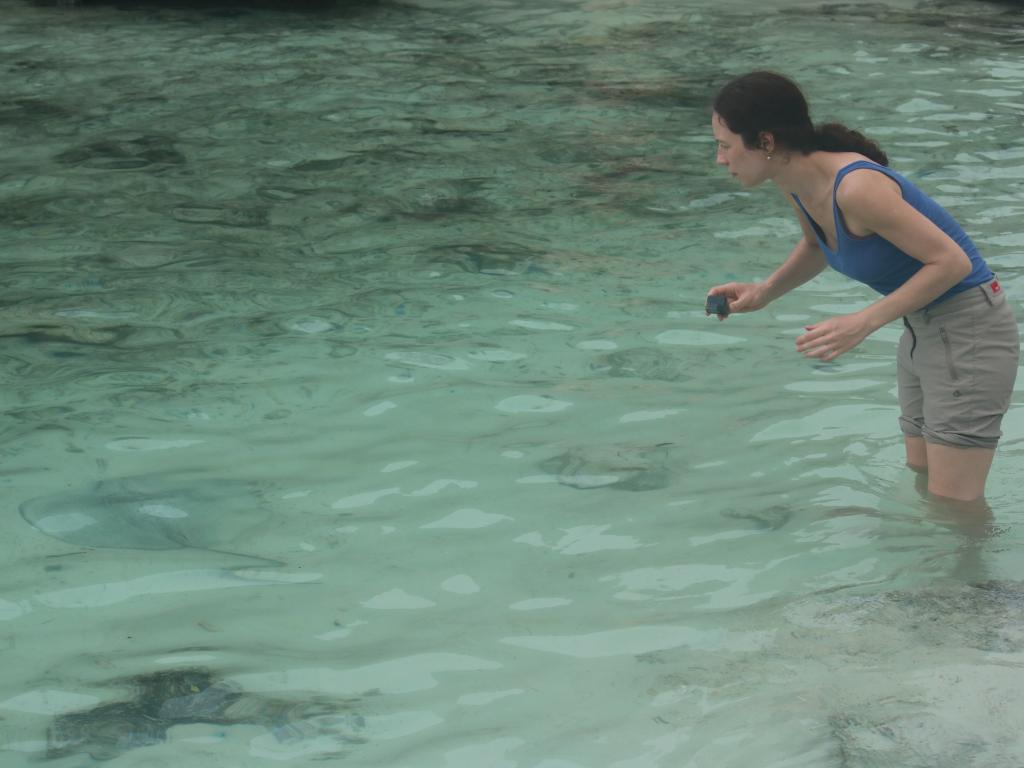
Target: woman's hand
<point x="743" y="297"/>
<point x="830" y="338"/>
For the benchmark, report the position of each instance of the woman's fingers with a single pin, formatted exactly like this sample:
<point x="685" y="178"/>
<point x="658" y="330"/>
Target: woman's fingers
<point x="715" y="305"/>
<point x="815" y="342"/>
<point x="830" y="338"/>
<point x="737" y="294"/>
<point x="742" y="297"/>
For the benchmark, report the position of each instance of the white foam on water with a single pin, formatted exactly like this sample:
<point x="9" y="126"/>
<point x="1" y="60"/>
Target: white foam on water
<point x="540" y="325"/>
<point x="650" y="415"/>
<point x="379" y="408"/>
<point x="540" y="604"/>
<point x="365" y="499"/>
<point x="429" y="360"/>
<point x="399" y="465"/>
<point x="467" y="518"/>
<point x="437" y="486"/>
<point x="64" y="523"/>
<point x="311" y="325"/>
<point x="162" y="510"/>
<point x="532" y="404"/>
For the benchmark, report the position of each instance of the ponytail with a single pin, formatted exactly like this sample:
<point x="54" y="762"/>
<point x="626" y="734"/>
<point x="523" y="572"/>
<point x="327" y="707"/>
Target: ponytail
<point x="763" y="101"/>
<point x="836" y="137"/>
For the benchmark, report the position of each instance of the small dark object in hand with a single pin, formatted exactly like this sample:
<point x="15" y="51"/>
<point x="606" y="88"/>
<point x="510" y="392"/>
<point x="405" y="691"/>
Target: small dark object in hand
<point x="717" y="305"/>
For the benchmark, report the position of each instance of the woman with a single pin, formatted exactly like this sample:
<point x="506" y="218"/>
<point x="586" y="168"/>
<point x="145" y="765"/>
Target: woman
<point x="958" y="356"/>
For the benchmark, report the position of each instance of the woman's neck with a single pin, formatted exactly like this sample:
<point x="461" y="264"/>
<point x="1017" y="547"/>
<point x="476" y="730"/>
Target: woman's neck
<point x="809" y="177"/>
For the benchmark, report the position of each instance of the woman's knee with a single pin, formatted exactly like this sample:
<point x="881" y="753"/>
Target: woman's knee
<point x="917" y="454"/>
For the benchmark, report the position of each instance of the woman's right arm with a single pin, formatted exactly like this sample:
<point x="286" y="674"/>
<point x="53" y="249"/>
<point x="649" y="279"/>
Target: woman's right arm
<point x="805" y="261"/>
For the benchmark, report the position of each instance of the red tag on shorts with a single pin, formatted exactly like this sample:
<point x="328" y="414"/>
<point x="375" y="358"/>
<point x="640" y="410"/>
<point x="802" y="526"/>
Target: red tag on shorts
<point x="995" y="286"/>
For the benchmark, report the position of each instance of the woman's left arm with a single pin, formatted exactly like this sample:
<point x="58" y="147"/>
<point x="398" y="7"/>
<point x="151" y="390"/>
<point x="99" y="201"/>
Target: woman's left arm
<point x="873" y="204"/>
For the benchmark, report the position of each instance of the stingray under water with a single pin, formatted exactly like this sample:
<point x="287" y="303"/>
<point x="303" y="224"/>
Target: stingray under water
<point x="160" y="511"/>
<point x="169" y="698"/>
<point x="620" y="466"/>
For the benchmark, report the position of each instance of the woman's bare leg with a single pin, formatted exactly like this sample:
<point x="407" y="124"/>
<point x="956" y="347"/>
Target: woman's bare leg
<point x="917" y="454"/>
<point x="973" y="518"/>
<point x="957" y="473"/>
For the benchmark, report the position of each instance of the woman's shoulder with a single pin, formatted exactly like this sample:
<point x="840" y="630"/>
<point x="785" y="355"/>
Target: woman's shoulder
<point x="857" y="176"/>
<point x="867" y="188"/>
<point x="844" y="163"/>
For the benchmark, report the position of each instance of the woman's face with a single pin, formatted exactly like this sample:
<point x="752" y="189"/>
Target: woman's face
<point x="748" y="166"/>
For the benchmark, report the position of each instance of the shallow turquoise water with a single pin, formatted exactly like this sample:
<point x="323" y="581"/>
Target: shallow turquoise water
<point x="359" y="402"/>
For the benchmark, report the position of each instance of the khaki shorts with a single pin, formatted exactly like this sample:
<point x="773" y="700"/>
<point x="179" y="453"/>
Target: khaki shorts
<point x="956" y="366"/>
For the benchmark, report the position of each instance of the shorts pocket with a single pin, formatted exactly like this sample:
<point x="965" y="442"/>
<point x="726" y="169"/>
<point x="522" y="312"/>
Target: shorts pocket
<point x="947" y="347"/>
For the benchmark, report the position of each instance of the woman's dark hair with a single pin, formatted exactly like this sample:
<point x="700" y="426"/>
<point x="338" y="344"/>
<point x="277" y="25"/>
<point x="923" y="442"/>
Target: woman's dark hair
<point x="769" y="102"/>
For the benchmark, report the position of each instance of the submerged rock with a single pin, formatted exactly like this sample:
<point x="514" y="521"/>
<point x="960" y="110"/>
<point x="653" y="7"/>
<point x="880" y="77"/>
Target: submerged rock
<point x="917" y="678"/>
<point x="984" y="616"/>
<point x="909" y="740"/>
<point x="186" y="696"/>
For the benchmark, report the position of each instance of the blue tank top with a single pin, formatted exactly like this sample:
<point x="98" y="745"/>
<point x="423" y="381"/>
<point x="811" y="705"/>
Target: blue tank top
<point x="875" y="261"/>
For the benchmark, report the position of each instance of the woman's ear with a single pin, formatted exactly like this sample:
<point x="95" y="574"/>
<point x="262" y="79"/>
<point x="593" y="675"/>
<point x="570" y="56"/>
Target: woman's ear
<point x="766" y="141"/>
